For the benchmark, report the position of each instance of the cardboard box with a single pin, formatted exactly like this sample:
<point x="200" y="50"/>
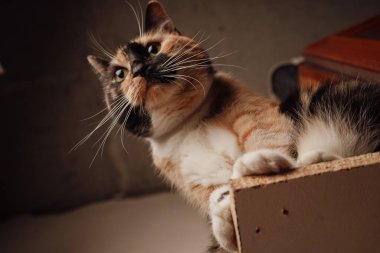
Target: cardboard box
<point x="325" y="207"/>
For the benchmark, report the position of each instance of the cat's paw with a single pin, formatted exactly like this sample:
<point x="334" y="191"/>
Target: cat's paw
<point x="221" y="219"/>
<point x="315" y="156"/>
<point x="263" y="161"/>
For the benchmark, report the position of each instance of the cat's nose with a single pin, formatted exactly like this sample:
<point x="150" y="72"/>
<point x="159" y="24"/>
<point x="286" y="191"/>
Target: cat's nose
<point x="137" y="55"/>
<point x="138" y="69"/>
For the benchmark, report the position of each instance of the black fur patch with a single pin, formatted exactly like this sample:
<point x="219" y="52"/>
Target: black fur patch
<point x="213" y="249"/>
<point x="361" y="103"/>
<point x="223" y="195"/>
<point x="138" y="122"/>
<point x="223" y="97"/>
<point x="291" y="106"/>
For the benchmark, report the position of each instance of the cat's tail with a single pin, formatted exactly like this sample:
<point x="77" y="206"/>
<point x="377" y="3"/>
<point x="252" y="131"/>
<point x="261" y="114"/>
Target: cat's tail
<point x="337" y="120"/>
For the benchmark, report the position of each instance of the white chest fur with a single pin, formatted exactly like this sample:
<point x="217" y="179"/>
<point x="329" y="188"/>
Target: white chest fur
<point x="203" y="156"/>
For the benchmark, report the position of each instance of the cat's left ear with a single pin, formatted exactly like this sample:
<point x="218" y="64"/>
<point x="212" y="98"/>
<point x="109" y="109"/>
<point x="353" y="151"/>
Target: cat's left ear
<point x="156" y="19"/>
<point x="98" y="65"/>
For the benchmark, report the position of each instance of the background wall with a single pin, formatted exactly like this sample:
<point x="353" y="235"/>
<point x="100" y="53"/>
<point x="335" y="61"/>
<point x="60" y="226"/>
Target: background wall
<point x="48" y="88"/>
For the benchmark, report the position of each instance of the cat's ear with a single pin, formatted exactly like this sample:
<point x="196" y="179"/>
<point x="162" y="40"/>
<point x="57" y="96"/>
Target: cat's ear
<point x="98" y="65"/>
<point x="156" y="19"/>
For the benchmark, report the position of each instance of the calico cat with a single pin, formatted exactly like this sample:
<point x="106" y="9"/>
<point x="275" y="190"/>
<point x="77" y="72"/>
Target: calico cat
<point x="204" y="127"/>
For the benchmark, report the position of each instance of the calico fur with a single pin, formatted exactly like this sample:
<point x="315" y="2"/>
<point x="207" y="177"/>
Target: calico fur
<point x="203" y="126"/>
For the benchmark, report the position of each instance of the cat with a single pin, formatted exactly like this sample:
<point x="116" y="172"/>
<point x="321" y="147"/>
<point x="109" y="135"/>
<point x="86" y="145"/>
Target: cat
<point x="205" y="128"/>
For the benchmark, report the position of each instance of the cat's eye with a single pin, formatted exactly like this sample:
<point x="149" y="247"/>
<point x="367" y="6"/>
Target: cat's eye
<point x="153" y="49"/>
<point x="120" y="74"/>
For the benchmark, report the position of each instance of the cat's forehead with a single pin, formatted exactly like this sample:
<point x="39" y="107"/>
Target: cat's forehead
<point x="170" y="44"/>
<point x="167" y="40"/>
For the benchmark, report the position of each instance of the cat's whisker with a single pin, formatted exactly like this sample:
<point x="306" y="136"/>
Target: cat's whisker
<point x="184" y="66"/>
<point x="137" y="18"/>
<point x="123" y="129"/>
<point x="108" y="132"/>
<point x="101" y="123"/>
<point x="142" y="18"/>
<point x="178" y="52"/>
<point x="201" y="52"/>
<point x="219" y="56"/>
<point x="192" y="78"/>
<point x="105" y="109"/>
<point x="225" y="65"/>
<point x="112" y="115"/>
<point x="178" y="57"/>
<point x="185" y="78"/>
<point x="199" y="64"/>
<point x="99" y="47"/>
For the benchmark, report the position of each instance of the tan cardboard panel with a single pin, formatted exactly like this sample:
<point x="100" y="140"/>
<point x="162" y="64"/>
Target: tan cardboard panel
<point x="328" y="207"/>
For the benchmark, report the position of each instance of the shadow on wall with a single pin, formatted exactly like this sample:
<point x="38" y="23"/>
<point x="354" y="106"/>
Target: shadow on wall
<point x="48" y="88"/>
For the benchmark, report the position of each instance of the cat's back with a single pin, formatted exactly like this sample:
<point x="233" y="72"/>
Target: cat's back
<point x="254" y="120"/>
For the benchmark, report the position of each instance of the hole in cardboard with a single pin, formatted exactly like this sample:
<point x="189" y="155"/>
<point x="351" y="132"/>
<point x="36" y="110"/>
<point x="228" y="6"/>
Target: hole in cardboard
<point x="258" y="230"/>
<point x="285" y="211"/>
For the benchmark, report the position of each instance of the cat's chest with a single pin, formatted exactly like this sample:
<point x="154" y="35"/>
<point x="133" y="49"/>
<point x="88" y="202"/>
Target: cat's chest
<point x="205" y="156"/>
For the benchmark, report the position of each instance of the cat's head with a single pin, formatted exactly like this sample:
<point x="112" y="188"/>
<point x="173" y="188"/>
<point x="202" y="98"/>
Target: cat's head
<point x="156" y="80"/>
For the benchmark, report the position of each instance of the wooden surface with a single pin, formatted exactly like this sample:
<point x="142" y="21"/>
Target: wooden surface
<point x="326" y="207"/>
<point x="351" y="54"/>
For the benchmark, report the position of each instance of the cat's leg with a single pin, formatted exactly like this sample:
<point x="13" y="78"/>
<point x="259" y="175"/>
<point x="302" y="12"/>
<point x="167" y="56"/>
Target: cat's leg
<point x="262" y="161"/>
<point x="315" y="156"/>
<point x="221" y="219"/>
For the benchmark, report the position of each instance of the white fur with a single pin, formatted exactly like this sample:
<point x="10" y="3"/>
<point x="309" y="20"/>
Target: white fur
<point x="221" y="219"/>
<point x="315" y="156"/>
<point x="262" y="161"/>
<point x="328" y="140"/>
<point x="202" y="154"/>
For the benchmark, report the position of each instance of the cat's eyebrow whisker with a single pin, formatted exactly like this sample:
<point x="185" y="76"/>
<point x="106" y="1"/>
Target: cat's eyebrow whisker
<point x="142" y="18"/>
<point x="99" y="47"/>
<point x="137" y="17"/>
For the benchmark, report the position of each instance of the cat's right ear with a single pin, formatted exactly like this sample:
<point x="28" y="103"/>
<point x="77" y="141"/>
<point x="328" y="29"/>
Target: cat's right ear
<point x="157" y="19"/>
<point x="98" y="65"/>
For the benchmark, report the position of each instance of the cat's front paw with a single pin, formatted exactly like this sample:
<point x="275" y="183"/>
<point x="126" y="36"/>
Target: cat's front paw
<point x="263" y="161"/>
<point x="221" y="219"/>
<point x="315" y="156"/>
